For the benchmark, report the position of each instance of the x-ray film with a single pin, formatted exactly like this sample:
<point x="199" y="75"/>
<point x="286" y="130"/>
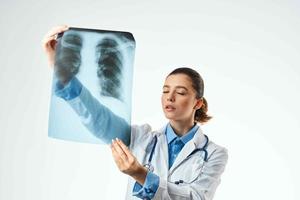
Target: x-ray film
<point x="91" y="62"/>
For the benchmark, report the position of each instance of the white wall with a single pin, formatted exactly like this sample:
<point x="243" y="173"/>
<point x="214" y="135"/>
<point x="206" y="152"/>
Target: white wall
<point x="246" y="51"/>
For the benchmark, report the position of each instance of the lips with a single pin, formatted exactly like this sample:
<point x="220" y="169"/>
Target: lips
<point x="169" y="108"/>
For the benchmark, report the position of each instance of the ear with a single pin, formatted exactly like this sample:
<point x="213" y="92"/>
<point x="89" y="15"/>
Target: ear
<point x="199" y="104"/>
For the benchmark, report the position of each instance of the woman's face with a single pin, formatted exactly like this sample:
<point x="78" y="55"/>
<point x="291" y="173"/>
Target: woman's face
<point x="178" y="99"/>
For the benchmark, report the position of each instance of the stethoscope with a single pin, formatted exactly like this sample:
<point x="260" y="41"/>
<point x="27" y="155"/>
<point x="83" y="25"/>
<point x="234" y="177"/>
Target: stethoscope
<point x="150" y="167"/>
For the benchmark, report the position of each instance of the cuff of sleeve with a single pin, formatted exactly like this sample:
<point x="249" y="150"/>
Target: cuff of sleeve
<point x="149" y="188"/>
<point x="69" y="91"/>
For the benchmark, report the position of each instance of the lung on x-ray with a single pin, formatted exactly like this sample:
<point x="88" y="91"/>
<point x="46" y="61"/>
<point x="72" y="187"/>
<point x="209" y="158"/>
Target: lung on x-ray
<point x="95" y="62"/>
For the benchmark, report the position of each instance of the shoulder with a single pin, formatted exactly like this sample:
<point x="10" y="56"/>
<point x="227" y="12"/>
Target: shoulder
<point x="217" y="154"/>
<point x="214" y="150"/>
<point x="141" y="128"/>
<point x="140" y="135"/>
<point x="145" y="130"/>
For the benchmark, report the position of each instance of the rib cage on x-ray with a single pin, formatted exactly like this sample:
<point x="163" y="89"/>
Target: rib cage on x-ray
<point x="110" y="65"/>
<point x="68" y="57"/>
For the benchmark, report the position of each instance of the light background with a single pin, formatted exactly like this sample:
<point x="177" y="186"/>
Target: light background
<point x="246" y="51"/>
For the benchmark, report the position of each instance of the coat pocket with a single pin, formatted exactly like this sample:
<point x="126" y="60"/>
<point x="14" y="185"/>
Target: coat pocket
<point x="188" y="172"/>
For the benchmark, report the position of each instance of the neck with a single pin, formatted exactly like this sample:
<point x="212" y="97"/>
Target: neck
<point x="181" y="127"/>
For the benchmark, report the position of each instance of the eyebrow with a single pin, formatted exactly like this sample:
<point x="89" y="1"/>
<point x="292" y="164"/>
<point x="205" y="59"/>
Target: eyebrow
<point x="180" y="87"/>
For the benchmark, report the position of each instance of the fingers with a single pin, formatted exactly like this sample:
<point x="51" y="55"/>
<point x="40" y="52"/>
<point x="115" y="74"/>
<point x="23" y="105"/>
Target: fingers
<point x="57" y="29"/>
<point x="124" y="159"/>
<point x="48" y="39"/>
<point x="119" y="150"/>
<point x="124" y="148"/>
<point x="116" y="156"/>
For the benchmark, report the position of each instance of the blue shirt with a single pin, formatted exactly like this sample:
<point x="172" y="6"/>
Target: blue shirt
<point x="175" y="143"/>
<point x="172" y="139"/>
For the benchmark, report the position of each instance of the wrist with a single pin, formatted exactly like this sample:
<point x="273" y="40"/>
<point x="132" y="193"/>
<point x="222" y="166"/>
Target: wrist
<point x="140" y="175"/>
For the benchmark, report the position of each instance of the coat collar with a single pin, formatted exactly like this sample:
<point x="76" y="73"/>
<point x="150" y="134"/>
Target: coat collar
<point x="171" y="135"/>
<point x="198" y="141"/>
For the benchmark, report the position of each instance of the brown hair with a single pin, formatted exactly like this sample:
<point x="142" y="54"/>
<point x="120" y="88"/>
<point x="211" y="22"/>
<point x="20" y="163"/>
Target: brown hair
<point x="198" y="85"/>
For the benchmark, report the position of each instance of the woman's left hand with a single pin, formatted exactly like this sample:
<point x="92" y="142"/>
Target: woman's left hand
<point x="126" y="161"/>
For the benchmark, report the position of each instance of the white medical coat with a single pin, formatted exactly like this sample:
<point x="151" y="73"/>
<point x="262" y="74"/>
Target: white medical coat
<point x="200" y="178"/>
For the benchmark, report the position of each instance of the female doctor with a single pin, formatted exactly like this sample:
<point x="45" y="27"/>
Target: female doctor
<point x="177" y="161"/>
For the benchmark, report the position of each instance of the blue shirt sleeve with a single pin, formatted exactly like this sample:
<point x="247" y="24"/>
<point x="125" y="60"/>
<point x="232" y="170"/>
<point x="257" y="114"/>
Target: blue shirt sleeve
<point x="69" y="91"/>
<point x="148" y="190"/>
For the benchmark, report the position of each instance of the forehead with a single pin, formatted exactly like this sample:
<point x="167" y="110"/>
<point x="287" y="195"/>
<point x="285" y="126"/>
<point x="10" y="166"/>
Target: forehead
<point x="178" y="80"/>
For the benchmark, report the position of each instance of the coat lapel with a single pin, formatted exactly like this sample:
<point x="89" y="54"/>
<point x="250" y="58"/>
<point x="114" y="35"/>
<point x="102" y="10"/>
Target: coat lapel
<point x="197" y="142"/>
<point x="161" y="158"/>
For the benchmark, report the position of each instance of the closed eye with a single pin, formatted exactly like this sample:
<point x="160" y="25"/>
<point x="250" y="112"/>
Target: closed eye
<point x="180" y="93"/>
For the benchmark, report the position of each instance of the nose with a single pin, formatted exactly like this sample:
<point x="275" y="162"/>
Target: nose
<point x="170" y="97"/>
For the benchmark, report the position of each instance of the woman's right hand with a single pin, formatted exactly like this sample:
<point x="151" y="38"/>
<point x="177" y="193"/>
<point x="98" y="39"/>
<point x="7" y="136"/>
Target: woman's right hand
<point x="49" y="42"/>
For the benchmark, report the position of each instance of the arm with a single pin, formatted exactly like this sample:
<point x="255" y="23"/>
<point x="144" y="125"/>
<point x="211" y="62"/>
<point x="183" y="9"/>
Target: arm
<point x="148" y="188"/>
<point x="97" y="118"/>
<point x="151" y="186"/>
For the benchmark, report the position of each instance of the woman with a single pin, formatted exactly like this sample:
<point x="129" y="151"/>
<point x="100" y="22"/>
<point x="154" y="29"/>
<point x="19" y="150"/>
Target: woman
<point x="175" y="162"/>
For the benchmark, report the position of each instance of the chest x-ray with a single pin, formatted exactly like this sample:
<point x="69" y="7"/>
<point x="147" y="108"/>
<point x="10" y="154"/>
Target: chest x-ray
<point x="102" y="62"/>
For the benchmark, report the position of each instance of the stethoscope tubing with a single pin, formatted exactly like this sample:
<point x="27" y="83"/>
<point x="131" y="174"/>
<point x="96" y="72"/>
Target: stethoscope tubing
<point x="154" y="141"/>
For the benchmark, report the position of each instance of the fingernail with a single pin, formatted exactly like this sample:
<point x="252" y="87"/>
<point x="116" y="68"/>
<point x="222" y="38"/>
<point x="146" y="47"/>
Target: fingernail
<point x="117" y="139"/>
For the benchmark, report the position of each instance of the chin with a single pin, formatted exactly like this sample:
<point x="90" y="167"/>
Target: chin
<point x="170" y="116"/>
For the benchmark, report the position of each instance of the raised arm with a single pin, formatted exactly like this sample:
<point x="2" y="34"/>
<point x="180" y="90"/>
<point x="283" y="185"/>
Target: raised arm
<point x="96" y="117"/>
